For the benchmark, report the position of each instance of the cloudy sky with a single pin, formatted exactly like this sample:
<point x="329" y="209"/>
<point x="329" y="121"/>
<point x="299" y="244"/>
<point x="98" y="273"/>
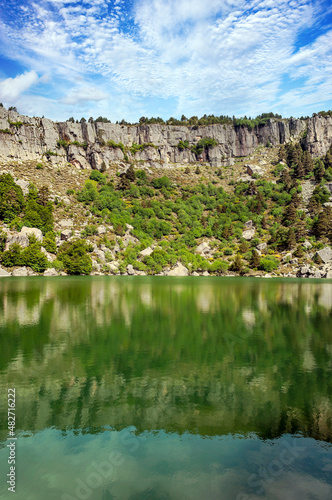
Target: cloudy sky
<point x="126" y="59"/>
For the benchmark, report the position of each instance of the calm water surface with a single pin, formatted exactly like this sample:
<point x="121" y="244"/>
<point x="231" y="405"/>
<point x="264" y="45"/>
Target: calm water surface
<point x="134" y="388"/>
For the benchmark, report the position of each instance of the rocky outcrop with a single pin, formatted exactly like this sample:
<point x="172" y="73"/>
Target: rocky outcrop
<point x="325" y="255"/>
<point x="4" y="273"/>
<point x="32" y="231"/>
<point x="87" y="145"/>
<point x="178" y="270"/>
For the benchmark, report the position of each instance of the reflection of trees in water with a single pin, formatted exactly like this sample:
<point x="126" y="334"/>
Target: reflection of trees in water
<point x="217" y="356"/>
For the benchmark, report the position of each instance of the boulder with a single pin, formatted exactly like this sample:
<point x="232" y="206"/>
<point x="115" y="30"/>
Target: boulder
<point x="254" y="169"/>
<point x="261" y="247"/>
<point x="113" y="267"/>
<point x="21" y="239"/>
<point x="329" y="275"/>
<point x="195" y="273"/>
<point x="101" y="230"/>
<point x="178" y="270"/>
<point x="206" y="273"/>
<point x="21" y="271"/>
<point x="4" y="273"/>
<point x="325" y="254"/>
<point x="146" y="252"/>
<point x="100" y="255"/>
<point x="248" y="234"/>
<point x="50" y="256"/>
<point x="129" y="239"/>
<point x="203" y="248"/>
<point x="315" y="274"/>
<point x="130" y="270"/>
<point x="307" y="245"/>
<point x="51" y="272"/>
<point x="249" y="224"/>
<point x="287" y="257"/>
<point x="65" y="235"/>
<point x="32" y="231"/>
<point x="95" y="265"/>
<point x="24" y="185"/>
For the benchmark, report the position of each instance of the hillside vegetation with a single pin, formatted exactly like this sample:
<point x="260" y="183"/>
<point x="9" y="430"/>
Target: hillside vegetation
<point x="141" y="222"/>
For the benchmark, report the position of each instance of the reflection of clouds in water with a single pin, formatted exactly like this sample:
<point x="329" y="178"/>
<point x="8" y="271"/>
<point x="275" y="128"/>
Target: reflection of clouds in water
<point x="172" y="466"/>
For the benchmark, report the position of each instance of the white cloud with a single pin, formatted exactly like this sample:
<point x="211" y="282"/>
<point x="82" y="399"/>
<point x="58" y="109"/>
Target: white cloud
<point x="220" y="57"/>
<point x="12" y="88"/>
<point x="84" y="94"/>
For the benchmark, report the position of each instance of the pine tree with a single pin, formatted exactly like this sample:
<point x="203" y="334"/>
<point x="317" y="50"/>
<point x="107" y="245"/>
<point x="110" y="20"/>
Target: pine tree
<point x="285" y="178"/>
<point x="308" y="164"/>
<point x="237" y="264"/>
<point x="255" y="259"/>
<point x="282" y="155"/>
<point x="319" y="170"/>
<point x="328" y="159"/>
<point x="314" y="206"/>
<point x="323" y="225"/>
<point x="43" y="196"/>
<point x="290" y="214"/>
<point x="130" y="173"/>
<point x="291" y="240"/>
<point x="264" y="223"/>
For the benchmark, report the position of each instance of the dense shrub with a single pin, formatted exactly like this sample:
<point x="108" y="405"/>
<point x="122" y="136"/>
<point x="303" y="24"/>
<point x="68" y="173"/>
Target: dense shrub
<point x="49" y="242"/>
<point x="33" y="257"/>
<point x="74" y="257"/>
<point x="37" y="215"/>
<point x="13" y="256"/>
<point x="97" y="176"/>
<point x="161" y="182"/>
<point x="268" y="263"/>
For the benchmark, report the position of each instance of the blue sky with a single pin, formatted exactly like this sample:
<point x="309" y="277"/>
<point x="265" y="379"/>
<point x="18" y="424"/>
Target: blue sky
<point x="127" y="59"/>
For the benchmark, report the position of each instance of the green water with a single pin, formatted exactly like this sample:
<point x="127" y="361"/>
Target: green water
<point x="135" y="388"/>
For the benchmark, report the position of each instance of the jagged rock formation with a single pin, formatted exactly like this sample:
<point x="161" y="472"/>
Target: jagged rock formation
<point x="85" y="145"/>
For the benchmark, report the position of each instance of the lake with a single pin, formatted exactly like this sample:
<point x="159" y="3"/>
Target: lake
<point x="148" y="388"/>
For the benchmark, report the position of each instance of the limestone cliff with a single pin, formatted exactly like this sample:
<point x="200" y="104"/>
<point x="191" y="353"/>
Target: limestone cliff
<point x="85" y="145"/>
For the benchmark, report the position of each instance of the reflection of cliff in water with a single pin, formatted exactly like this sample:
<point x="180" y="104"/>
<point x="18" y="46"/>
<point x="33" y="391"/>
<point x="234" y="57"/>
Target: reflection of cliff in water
<point x="212" y="356"/>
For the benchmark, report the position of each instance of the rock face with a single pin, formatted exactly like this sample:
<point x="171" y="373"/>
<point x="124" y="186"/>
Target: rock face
<point x="87" y="143"/>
